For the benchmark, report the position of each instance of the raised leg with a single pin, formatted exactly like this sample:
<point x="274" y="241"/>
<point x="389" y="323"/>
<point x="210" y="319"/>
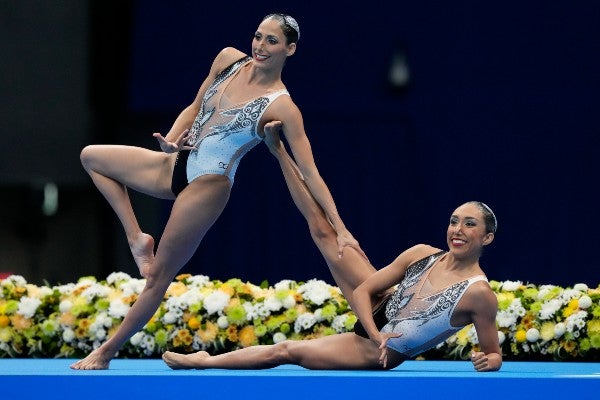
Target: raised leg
<point x="113" y="169"/>
<point x="349" y="271"/>
<point x="194" y="212"/>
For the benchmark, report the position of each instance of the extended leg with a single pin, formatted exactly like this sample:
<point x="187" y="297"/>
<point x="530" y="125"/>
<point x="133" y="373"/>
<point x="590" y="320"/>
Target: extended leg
<point x="194" y="212"/>
<point x="343" y="351"/>
<point x="349" y="271"/>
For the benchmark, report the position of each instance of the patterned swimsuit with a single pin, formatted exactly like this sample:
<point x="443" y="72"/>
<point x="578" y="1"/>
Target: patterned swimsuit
<point x="222" y="135"/>
<point x="422" y="321"/>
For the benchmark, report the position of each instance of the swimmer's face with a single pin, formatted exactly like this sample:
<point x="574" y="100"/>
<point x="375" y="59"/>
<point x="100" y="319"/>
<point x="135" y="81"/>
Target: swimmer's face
<point x="467" y="231"/>
<point x="269" y="46"/>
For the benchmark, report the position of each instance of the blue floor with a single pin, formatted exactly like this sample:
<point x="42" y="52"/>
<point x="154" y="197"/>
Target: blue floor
<point x="152" y="379"/>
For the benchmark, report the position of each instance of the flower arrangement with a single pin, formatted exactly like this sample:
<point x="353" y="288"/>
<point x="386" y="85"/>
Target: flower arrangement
<point x="534" y="322"/>
<point x="197" y="314"/>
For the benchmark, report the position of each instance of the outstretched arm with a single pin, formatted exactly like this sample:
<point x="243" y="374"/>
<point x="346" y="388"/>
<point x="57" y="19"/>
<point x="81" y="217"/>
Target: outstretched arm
<point x="307" y="170"/>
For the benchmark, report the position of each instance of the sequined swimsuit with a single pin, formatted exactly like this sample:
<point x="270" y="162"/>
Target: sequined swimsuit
<point x="422" y="321"/>
<point x="222" y="135"/>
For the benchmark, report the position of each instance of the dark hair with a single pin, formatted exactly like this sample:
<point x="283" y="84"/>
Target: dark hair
<point x="288" y="25"/>
<point x="491" y="223"/>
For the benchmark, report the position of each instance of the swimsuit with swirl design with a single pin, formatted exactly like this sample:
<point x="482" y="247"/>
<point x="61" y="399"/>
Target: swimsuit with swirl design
<point x="222" y="136"/>
<point x="422" y="321"/>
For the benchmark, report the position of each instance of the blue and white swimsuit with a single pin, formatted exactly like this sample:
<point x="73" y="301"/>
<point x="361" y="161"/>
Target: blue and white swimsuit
<point x="222" y="135"/>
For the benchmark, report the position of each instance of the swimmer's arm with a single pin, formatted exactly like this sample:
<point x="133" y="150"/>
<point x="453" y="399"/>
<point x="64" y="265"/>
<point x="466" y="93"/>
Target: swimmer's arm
<point x="484" y="319"/>
<point x="293" y="128"/>
<point x="186" y="117"/>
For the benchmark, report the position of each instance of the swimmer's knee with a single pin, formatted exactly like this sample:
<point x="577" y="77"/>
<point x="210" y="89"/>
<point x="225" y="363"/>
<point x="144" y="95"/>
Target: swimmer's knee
<point x="86" y="156"/>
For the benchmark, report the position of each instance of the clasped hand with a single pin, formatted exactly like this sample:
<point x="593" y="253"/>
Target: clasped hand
<point x="177" y="145"/>
<point x="383" y="339"/>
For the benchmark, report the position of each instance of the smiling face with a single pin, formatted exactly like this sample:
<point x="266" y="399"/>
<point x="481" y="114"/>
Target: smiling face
<point x="467" y="233"/>
<point x="269" y="46"/>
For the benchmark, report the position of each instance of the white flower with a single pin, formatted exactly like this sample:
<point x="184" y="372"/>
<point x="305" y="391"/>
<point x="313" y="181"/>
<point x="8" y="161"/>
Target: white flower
<point x="304" y="321"/>
<point x="198" y="281"/>
<point x="273" y="304"/>
<point x="316" y="291"/>
<point x="582" y="287"/>
<point x="136" y="339"/>
<point x="45" y="291"/>
<point x="100" y="334"/>
<point x="118" y="309"/>
<point x="95" y="291"/>
<point x="339" y="323"/>
<point x="257" y="310"/>
<point x="15" y="280"/>
<point x="222" y="322"/>
<point x="28" y="306"/>
<point x="559" y="330"/>
<point x="117" y="277"/>
<point x="506" y="319"/>
<point x="65" y="306"/>
<point x="289" y="302"/>
<point x="584" y="302"/>
<point x="472" y="335"/>
<point x="511" y="286"/>
<point x="170" y="317"/>
<point x="279" y="337"/>
<point x="549" y="308"/>
<point x="576" y="321"/>
<point x="284" y="285"/>
<point x="132" y="286"/>
<point x="68" y="335"/>
<point x="501" y="337"/>
<point x="533" y="335"/>
<point x="216" y="302"/>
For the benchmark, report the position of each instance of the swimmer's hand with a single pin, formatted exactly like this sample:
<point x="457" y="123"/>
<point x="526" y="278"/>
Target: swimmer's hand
<point x="485" y="362"/>
<point x="345" y="239"/>
<point x="272" y="139"/>
<point x="384" y="337"/>
<point x="177" y="145"/>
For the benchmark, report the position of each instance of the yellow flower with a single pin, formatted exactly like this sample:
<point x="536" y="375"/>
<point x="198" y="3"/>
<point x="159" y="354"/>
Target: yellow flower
<point x="232" y="333"/>
<point x="521" y="336"/>
<point x="194" y="323"/>
<point x="5" y="335"/>
<point x="183" y="337"/>
<point x="462" y="336"/>
<point x="248" y="336"/>
<point x="570" y="308"/>
<point x="19" y="322"/>
<point x="4" y="321"/>
<point x="505" y="299"/>
<point x="528" y="321"/>
<point x="227" y="289"/>
<point x="182" y="277"/>
<point x="209" y="333"/>
<point x="547" y="330"/>
<point x="176" y="289"/>
<point x="593" y="327"/>
<point x="68" y="319"/>
<point x="569" y="346"/>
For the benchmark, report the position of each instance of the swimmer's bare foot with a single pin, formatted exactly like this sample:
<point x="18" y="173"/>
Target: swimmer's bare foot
<point x="142" y="249"/>
<point x="94" y="360"/>
<point x="185" y="361"/>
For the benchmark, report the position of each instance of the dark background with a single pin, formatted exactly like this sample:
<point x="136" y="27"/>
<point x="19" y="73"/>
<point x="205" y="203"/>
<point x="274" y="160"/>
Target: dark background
<point x="500" y="105"/>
